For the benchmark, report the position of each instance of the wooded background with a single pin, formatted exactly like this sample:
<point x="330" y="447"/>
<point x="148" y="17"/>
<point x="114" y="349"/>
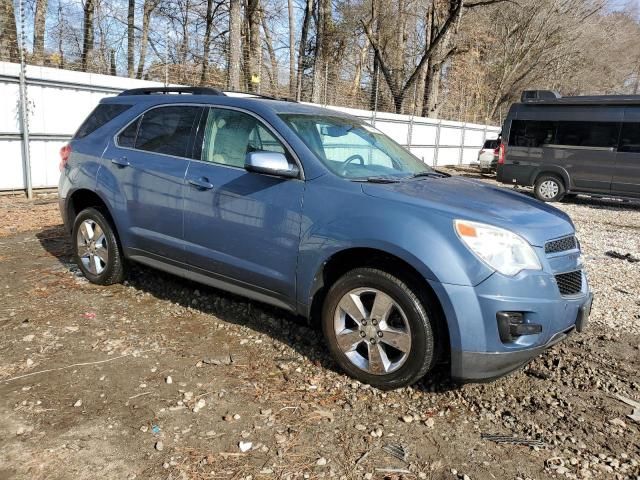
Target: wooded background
<point x="452" y="59"/>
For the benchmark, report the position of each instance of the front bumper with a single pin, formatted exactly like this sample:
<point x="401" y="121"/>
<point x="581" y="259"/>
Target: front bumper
<point x="484" y="366"/>
<point x="477" y="352"/>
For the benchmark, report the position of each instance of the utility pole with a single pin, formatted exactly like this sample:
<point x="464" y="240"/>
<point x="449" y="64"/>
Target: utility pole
<point x="24" y="113"/>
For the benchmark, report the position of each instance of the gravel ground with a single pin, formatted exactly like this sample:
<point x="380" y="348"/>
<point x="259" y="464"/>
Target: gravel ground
<point x="162" y="378"/>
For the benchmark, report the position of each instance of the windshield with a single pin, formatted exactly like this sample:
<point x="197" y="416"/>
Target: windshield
<point x="354" y="149"/>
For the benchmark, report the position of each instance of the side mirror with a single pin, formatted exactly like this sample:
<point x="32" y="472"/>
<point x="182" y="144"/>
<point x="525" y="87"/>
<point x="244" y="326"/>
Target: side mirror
<point x="270" y="163"/>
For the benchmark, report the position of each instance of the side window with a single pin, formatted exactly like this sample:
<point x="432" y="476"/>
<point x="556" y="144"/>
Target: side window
<point x="588" y="134"/>
<point x="630" y="138"/>
<point x="127" y="137"/>
<point x="517" y="137"/>
<point x="229" y="135"/>
<point x="102" y="114"/>
<point x="167" y="130"/>
<point x="529" y="133"/>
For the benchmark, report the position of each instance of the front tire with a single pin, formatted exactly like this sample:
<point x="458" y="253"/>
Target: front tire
<point x="378" y="330"/>
<point x="96" y="249"/>
<point x="549" y="188"/>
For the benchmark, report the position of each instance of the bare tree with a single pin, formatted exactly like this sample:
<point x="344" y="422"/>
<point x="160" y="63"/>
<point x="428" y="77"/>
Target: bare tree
<point x="87" y="33"/>
<point x="235" y="44"/>
<point x="304" y="38"/>
<point x="324" y="27"/>
<point x="148" y="8"/>
<point x="253" y="57"/>
<point x="292" y="49"/>
<point x="8" y="32"/>
<point x="131" y="12"/>
<point x="40" y="16"/>
<point x="273" y="60"/>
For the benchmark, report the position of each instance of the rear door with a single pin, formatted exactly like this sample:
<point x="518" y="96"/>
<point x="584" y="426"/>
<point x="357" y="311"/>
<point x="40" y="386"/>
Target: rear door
<point x="149" y="161"/>
<point x="626" y="178"/>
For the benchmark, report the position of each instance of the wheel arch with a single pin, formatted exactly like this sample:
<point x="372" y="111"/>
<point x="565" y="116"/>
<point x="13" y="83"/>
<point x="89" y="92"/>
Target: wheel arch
<point x="555" y="171"/>
<point x="83" y="198"/>
<point x="345" y="260"/>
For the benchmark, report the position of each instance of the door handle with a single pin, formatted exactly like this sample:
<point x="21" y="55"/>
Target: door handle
<point x="121" y="162"/>
<point x="201" y="183"/>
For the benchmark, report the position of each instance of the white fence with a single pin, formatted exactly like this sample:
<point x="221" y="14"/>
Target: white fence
<point x="59" y="100"/>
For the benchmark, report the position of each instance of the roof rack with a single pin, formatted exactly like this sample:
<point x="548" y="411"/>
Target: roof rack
<point x="258" y="95"/>
<point x="168" y="90"/>
<point x="531" y="96"/>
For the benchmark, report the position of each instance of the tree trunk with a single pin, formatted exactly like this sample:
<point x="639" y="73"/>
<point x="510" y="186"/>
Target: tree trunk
<point x="272" y="56"/>
<point x="149" y="7"/>
<point x="8" y="32"/>
<point x="207" y="42"/>
<point x="431" y="102"/>
<point x="131" y="37"/>
<point x="253" y="57"/>
<point x="304" y="37"/>
<point x="323" y="31"/>
<point x="292" y="50"/>
<point x="112" y="63"/>
<point x="235" y="45"/>
<point x="87" y="42"/>
<point x="39" y="21"/>
<point x="357" y="77"/>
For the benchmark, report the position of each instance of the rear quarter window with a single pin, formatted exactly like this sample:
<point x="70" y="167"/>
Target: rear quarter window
<point x="101" y="115"/>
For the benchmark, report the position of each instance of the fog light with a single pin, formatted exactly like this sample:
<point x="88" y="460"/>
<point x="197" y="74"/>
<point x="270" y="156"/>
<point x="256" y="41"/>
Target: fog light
<point x="511" y="325"/>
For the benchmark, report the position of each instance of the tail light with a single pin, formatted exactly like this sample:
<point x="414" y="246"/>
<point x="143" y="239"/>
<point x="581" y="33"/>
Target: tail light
<point x="65" y="152"/>
<point x="502" y="153"/>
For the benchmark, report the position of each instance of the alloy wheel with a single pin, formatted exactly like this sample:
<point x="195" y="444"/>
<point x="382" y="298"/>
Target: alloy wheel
<point x="92" y="246"/>
<point x="372" y="331"/>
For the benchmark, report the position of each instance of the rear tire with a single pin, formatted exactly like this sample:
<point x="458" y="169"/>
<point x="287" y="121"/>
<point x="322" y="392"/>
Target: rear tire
<point x="392" y="343"/>
<point x="96" y="249"/>
<point x="549" y="188"/>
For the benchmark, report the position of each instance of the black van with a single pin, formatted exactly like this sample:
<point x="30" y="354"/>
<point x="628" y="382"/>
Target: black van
<point x="569" y="145"/>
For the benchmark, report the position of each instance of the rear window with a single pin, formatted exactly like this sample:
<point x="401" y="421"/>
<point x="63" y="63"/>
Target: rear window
<point x="101" y="115"/>
<point x="491" y="144"/>
<point x="166" y="130"/>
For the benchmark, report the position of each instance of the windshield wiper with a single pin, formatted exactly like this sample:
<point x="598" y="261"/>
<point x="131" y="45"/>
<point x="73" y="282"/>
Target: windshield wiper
<point x="376" y="180"/>
<point x="430" y="174"/>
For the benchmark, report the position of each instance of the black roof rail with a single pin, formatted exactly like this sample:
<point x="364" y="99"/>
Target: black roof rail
<point x="168" y="90"/>
<point x="259" y="95"/>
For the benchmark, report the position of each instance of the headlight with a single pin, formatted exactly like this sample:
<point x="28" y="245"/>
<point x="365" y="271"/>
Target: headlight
<point x="502" y="250"/>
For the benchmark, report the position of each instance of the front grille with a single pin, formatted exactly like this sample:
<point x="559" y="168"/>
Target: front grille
<point x="561" y="245"/>
<point x="569" y="283"/>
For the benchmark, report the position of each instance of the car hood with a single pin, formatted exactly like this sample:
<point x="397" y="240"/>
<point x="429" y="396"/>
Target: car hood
<point x="473" y="200"/>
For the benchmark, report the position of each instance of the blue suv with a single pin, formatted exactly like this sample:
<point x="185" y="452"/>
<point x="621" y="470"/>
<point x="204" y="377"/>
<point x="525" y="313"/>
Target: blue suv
<point x="321" y="214"/>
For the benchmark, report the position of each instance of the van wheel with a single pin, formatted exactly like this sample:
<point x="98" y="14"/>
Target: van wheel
<point x="96" y="250"/>
<point x="549" y="188"/>
<point x="378" y="330"/>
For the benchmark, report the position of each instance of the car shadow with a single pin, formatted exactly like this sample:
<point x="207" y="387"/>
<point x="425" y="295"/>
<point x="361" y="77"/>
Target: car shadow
<point x="303" y="337"/>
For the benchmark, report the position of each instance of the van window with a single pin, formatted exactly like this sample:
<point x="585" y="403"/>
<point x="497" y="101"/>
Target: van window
<point x="630" y="138"/>
<point x="167" y="130"/>
<point x="526" y="133"/>
<point x="102" y="114"/>
<point x="588" y="134"/>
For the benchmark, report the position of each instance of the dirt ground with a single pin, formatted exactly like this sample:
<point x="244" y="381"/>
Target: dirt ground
<point x="163" y="378"/>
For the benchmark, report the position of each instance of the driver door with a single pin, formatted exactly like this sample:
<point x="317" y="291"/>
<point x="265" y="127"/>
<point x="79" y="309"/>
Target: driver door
<point x="241" y="228"/>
